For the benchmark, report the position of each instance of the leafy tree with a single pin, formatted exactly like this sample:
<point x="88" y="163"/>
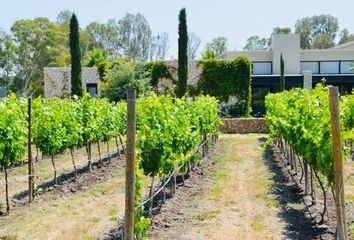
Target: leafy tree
<point x="304" y="28"/>
<point x="310" y="28"/>
<point x="75" y="52"/>
<point x="323" y="41"/>
<point x="281" y="30"/>
<point x="123" y="76"/>
<point x="345" y="36"/>
<point x="99" y="58"/>
<point x="135" y="36"/>
<point x="193" y="45"/>
<point x="104" y="36"/>
<point x="218" y="45"/>
<point x="255" y="43"/>
<point x="282" y="77"/>
<point x="159" y="47"/>
<point x="208" y="54"/>
<point x="182" y="53"/>
<point x="38" y="43"/>
<point x="7" y="59"/>
<point x="63" y="18"/>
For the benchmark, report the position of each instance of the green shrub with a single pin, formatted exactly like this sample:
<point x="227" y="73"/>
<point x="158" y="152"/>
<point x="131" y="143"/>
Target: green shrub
<point x="222" y="79"/>
<point x="157" y="70"/>
<point x="123" y="76"/>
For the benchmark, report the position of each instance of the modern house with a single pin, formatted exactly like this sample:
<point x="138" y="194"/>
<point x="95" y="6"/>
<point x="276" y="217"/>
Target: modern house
<point x="57" y="81"/>
<point x="334" y="65"/>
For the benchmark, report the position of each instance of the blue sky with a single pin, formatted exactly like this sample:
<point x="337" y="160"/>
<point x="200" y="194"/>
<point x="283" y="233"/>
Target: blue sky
<point x="236" y="20"/>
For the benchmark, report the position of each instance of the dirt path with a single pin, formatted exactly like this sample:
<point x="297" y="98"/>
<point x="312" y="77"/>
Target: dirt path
<point x="232" y="200"/>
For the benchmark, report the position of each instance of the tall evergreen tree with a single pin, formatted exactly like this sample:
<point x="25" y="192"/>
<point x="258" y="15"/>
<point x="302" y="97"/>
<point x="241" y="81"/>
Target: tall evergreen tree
<point x="182" y="54"/>
<point x="282" y="77"/>
<point x="76" y="70"/>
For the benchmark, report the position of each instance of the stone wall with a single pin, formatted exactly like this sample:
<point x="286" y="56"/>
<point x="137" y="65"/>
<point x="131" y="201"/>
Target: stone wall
<point x="244" y="125"/>
<point x="57" y="80"/>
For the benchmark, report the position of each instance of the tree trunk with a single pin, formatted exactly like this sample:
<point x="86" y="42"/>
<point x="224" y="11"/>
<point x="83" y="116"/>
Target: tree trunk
<point x="7" y="191"/>
<point x="324" y="197"/>
<point x="121" y="143"/>
<point x="73" y="160"/>
<point x="99" y="152"/>
<point x="89" y="157"/>
<point x="108" y="151"/>
<point x="306" y="177"/>
<point x="55" y="170"/>
<point x="313" y="187"/>
<point x="164" y="188"/>
<point x="117" y="145"/>
<point x="294" y="160"/>
<point x="37" y="154"/>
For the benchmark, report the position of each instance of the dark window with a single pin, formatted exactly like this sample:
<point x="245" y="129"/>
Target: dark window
<point x="92" y="89"/>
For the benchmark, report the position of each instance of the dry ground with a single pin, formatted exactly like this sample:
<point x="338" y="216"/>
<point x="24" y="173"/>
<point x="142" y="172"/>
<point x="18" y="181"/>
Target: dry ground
<point x="18" y="180"/>
<point x="245" y="191"/>
<point x="231" y="200"/>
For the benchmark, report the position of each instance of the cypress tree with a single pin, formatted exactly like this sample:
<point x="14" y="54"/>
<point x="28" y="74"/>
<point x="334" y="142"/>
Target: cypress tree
<point x="182" y="54"/>
<point x="282" y="77"/>
<point x="76" y="71"/>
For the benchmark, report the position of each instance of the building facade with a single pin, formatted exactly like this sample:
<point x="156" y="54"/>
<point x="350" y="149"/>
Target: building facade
<point x="333" y="65"/>
<point x="57" y="81"/>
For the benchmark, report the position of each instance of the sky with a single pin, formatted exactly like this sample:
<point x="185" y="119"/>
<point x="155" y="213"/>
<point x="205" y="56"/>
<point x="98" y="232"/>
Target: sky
<point x="208" y="19"/>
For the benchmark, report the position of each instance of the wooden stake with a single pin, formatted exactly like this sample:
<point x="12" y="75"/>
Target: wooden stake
<point x="130" y="167"/>
<point x="337" y="164"/>
<point x="29" y="153"/>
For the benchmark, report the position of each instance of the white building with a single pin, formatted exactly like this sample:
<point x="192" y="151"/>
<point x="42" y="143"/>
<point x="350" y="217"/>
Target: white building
<point x="333" y="64"/>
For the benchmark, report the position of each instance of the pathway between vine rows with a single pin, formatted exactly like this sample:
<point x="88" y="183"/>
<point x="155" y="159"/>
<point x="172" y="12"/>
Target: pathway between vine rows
<point x="240" y="193"/>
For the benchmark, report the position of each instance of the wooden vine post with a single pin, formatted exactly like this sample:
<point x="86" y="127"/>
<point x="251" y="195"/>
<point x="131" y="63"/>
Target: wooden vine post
<point x="337" y="164"/>
<point x="130" y="167"/>
<point x="29" y="149"/>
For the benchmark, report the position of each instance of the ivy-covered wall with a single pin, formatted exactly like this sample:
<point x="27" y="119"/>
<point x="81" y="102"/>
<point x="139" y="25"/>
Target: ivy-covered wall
<point x="223" y="79"/>
<point x="156" y="71"/>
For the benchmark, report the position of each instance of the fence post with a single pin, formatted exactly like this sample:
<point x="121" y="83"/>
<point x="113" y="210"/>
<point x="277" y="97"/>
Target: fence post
<point x="29" y="153"/>
<point x="337" y="163"/>
<point x="129" y="169"/>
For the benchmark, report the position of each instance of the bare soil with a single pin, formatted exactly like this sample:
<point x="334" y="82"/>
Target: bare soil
<point x="78" y="208"/>
<point x="244" y="189"/>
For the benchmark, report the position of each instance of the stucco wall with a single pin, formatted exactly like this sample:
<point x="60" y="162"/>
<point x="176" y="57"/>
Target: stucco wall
<point x="289" y="46"/>
<point x="327" y="55"/>
<point x="244" y="125"/>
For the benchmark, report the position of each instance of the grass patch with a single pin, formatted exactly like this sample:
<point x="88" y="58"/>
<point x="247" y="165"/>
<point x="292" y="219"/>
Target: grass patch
<point x="95" y="220"/>
<point x="350" y="197"/>
<point x="257" y="224"/>
<point x="351" y="229"/>
<point x="8" y="237"/>
<point x="215" y="191"/>
<point x="207" y="215"/>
